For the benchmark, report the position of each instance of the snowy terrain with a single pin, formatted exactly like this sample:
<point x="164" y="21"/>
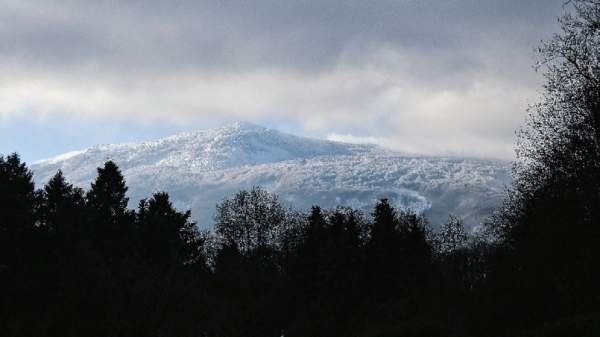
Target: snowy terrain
<point x="199" y="169"/>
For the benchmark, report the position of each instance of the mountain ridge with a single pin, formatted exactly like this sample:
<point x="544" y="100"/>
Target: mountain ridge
<point x="200" y="168"/>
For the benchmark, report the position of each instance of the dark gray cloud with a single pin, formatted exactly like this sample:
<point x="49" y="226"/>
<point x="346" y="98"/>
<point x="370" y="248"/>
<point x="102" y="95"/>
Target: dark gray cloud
<point x="297" y="34"/>
<point x="326" y="65"/>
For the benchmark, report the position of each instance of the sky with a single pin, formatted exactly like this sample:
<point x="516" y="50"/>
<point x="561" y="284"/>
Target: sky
<point x="437" y="77"/>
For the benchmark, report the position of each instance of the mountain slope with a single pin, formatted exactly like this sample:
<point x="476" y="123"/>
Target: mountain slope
<point x="200" y="168"/>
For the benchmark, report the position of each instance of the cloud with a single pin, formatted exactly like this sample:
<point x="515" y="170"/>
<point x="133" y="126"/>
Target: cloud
<point x="435" y="77"/>
<point x="349" y="138"/>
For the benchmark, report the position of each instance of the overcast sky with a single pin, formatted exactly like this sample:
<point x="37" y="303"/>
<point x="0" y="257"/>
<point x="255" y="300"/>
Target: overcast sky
<point x="447" y="77"/>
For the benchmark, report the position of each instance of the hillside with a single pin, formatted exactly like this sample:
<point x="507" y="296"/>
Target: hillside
<point x="200" y="168"/>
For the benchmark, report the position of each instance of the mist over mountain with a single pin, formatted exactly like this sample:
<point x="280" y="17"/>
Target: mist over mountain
<point x="199" y="169"/>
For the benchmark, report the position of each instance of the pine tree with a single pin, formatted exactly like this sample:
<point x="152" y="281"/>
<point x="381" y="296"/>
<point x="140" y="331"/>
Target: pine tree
<point x="382" y="254"/>
<point x="166" y="235"/>
<point x="110" y="222"/>
<point x="108" y="192"/>
<point x="61" y="210"/>
<point x="17" y="209"/>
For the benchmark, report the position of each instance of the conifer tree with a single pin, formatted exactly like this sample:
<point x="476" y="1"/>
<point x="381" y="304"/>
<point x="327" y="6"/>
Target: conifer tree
<point x="382" y="253"/>
<point x="108" y="191"/>
<point x="167" y="236"/>
<point x="17" y="209"/>
<point x="61" y="210"/>
<point x="110" y="222"/>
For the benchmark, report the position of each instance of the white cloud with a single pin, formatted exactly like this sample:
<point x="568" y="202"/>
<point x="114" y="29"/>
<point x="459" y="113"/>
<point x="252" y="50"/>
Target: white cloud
<point x="459" y="86"/>
<point x="349" y="138"/>
<point x="461" y="114"/>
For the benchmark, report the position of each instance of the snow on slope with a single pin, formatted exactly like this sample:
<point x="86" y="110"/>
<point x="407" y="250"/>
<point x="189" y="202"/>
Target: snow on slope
<point x="199" y="169"/>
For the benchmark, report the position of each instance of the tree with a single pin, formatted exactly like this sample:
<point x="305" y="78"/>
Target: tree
<point x="383" y="269"/>
<point x="25" y="261"/>
<point x="415" y="260"/>
<point x="61" y="210"/>
<point x="551" y="217"/>
<point x="17" y="205"/>
<point x="384" y="221"/>
<point x="167" y="236"/>
<point x="108" y="191"/>
<point x="250" y="220"/>
<point x="308" y="258"/>
<point x="451" y="236"/>
<point x="558" y="150"/>
<point x="249" y="227"/>
<point x="110" y="222"/>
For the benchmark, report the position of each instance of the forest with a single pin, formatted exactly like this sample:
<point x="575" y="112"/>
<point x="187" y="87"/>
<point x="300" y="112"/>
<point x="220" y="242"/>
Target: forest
<point x="82" y="263"/>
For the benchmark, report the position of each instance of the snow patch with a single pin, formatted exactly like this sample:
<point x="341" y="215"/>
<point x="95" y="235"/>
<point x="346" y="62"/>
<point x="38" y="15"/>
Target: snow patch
<point x="59" y="158"/>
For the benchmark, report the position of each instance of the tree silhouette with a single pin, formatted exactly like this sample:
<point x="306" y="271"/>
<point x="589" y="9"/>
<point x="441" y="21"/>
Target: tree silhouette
<point x="248" y="227"/>
<point x="62" y="211"/>
<point x="383" y="250"/>
<point x="111" y="223"/>
<point x="17" y="213"/>
<point x="551" y="218"/>
<point x="167" y="236"/>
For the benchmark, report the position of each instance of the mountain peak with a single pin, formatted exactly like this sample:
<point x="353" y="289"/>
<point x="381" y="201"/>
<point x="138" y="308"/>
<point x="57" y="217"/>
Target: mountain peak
<point x="235" y="145"/>
<point x="229" y="129"/>
<point x="200" y="168"/>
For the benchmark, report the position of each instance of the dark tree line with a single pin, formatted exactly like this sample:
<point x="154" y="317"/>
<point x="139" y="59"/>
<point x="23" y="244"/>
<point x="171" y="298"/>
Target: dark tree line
<point x="80" y="263"/>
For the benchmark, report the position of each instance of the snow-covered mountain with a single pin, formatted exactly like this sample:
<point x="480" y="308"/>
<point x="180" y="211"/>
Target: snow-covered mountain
<point x="199" y="169"/>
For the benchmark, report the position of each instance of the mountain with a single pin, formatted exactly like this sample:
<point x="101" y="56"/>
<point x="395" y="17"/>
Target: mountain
<point x="199" y="169"/>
